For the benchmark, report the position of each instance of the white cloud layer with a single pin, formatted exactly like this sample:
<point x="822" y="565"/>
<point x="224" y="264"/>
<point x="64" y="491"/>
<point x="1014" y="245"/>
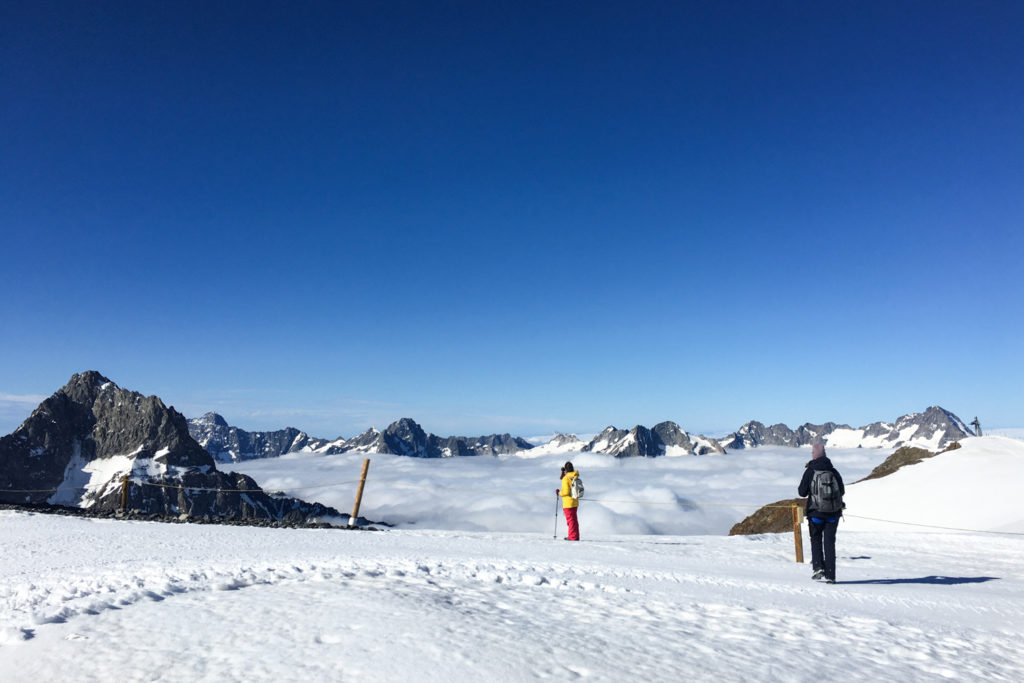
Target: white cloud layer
<point x="667" y="495"/>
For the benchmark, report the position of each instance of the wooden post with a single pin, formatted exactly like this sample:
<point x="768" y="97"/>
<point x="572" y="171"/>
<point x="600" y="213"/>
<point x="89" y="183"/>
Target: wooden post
<point x="798" y="537"/>
<point x="359" y="493"/>
<point x="124" y="493"/>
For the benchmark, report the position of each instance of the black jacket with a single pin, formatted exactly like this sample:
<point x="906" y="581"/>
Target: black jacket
<point x="822" y="463"/>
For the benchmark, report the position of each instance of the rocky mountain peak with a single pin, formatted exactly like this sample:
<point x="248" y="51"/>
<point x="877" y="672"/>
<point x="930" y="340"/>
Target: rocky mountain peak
<point x="84" y="388"/>
<point x="212" y="419"/>
<point x="78" y="443"/>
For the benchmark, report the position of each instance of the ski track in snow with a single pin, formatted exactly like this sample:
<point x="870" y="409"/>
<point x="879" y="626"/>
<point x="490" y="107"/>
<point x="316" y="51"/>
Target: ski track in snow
<point x="149" y="601"/>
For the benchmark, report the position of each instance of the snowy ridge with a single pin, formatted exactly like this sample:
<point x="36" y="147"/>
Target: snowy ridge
<point x="933" y="429"/>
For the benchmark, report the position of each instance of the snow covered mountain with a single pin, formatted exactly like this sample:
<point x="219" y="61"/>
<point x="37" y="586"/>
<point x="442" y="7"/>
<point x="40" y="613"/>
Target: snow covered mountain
<point x="665" y="438"/>
<point x="933" y="429"/>
<point x="561" y="444"/>
<point x="403" y="437"/>
<point x="406" y="437"/>
<point x="78" y="444"/>
<point x="231" y="444"/>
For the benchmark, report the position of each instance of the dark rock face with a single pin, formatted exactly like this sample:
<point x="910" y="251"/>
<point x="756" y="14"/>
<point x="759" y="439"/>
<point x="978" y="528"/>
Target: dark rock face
<point x="78" y="444"/>
<point x="641" y="442"/>
<point x="903" y="457"/>
<point x="406" y="437"/>
<point x="231" y="444"/>
<point x="754" y="434"/>
<point x="497" y="444"/>
<point x="773" y="518"/>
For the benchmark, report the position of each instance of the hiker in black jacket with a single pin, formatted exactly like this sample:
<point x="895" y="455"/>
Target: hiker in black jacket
<point x="822" y="523"/>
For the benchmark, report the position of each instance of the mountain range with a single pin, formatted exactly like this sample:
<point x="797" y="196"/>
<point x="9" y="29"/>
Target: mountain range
<point x="934" y="428"/>
<point x="80" y="445"/>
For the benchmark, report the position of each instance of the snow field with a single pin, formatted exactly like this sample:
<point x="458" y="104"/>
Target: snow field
<point x="149" y="601"/>
<point x="472" y="585"/>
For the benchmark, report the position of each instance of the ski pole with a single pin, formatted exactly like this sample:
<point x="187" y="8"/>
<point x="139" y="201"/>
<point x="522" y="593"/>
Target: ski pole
<point x="555" y="536"/>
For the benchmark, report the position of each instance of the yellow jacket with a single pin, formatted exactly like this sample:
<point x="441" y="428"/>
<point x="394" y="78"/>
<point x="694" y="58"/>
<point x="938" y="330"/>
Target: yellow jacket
<point x="567" y="500"/>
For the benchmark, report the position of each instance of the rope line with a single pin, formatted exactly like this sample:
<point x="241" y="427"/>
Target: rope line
<point x="509" y="494"/>
<point x="257" y="490"/>
<point x="944" y="528"/>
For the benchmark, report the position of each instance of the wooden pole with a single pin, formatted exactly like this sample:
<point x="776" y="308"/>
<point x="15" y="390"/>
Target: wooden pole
<point x="124" y="493"/>
<point x="798" y="537"/>
<point x="359" y="493"/>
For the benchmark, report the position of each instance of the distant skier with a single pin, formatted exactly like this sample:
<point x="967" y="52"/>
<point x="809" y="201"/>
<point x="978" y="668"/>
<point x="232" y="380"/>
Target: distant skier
<point x="570" y="505"/>
<point x="824" y="489"/>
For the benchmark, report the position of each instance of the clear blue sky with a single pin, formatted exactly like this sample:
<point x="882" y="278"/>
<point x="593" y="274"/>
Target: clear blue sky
<point x="520" y="217"/>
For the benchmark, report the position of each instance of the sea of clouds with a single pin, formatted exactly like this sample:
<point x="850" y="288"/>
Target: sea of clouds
<point x="666" y="495"/>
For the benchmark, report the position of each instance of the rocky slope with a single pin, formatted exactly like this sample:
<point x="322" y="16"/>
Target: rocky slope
<point x="403" y="437"/>
<point x="406" y="437"/>
<point x="231" y="444"/>
<point x="665" y="438"/>
<point x="80" y="443"/>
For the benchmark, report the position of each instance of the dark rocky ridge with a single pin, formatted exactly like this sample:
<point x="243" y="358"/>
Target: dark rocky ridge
<point x="773" y="518"/>
<point x="406" y="437"/>
<point x="904" y="457"/>
<point x="78" y="443"/>
<point x="403" y="437"/>
<point x="231" y="444"/>
<point x="754" y="434"/>
<point x="641" y="442"/>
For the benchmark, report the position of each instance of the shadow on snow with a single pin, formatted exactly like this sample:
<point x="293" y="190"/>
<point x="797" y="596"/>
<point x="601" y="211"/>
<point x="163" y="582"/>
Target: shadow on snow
<point x="935" y="580"/>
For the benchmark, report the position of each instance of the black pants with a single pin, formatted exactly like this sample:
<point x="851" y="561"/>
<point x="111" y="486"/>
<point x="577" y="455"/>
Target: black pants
<point x="823" y="547"/>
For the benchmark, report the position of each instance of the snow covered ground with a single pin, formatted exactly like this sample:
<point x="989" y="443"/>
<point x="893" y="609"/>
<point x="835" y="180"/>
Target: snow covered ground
<point x="90" y="600"/>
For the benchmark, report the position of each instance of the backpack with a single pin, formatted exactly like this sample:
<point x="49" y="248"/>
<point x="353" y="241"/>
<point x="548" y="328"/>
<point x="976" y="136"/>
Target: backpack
<point x="825" y="495"/>
<point x="576" y="487"/>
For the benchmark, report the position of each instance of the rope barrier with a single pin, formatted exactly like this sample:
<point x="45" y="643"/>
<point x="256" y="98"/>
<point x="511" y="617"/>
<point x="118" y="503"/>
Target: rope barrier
<point x="932" y="526"/>
<point x="257" y="490"/>
<point x="510" y="494"/>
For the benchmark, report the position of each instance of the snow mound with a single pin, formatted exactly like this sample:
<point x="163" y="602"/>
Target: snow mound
<point x="973" y="488"/>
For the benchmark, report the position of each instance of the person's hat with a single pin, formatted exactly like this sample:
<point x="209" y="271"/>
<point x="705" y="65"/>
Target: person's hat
<point x="817" y="451"/>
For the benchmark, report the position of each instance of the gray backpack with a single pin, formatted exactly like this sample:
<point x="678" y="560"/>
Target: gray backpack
<point x="576" y="487"/>
<point x="825" y="495"/>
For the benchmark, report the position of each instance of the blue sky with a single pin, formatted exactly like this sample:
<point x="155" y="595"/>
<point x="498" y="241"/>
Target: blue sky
<point x="521" y="217"/>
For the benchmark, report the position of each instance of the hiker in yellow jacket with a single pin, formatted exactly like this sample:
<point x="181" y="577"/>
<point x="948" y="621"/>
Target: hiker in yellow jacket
<point x="569" y="504"/>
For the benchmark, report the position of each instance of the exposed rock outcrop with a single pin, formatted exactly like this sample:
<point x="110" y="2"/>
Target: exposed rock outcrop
<point x="79" y="444"/>
<point x="773" y="518"/>
<point x="665" y="438"/>
<point x="231" y="444"/>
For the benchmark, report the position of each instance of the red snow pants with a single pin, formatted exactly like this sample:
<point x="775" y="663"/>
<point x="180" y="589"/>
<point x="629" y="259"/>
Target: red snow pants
<point x="573" y="523"/>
